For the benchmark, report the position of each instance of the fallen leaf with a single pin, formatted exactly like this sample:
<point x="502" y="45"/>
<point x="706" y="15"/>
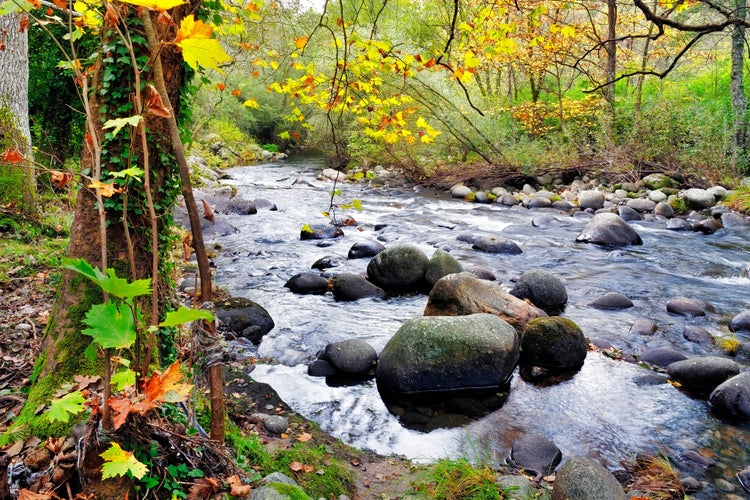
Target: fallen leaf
<point x="203" y="488"/>
<point x="236" y="488"/>
<point x="304" y="437"/>
<point x="30" y="495"/>
<point x="355" y="461"/>
<point x="11" y="156"/>
<point x="155" y="105"/>
<point x="208" y="214"/>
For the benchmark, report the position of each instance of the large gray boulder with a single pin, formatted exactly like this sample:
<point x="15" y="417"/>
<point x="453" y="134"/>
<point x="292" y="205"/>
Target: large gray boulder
<point x="353" y="356"/>
<point x="740" y="322"/>
<point x="245" y="318"/>
<point x="497" y="245"/>
<point x="657" y="181"/>
<point x="307" y="283"/>
<point x="448" y="353"/>
<point x="732" y="396"/>
<point x="441" y="264"/>
<point x="609" y="229"/>
<point x="582" y="478"/>
<point x="590" y="199"/>
<point x="463" y="293"/>
<point x="553" y="343"/>
<point x="542" y="288"/>
<point x="400" y="268"/>
<point x="348" y="287"/>
<point x="641" y="205"/>
<point x="535" y="453"/>
<point x="703" y="373"/>
<point x="698" y="198"/>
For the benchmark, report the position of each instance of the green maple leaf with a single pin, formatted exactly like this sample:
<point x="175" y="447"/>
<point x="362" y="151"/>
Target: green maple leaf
<point x="123" y="379"/>
<point x="111" y="325"/>
<point x="61" y="409"/>
<point x="118" y="123"/>
<point x="118" y="462"/>
<point x="185" y="315"/>
<point x="109" y="282"/>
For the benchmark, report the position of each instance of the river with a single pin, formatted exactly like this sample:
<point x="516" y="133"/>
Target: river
<point x="604" y="411"/>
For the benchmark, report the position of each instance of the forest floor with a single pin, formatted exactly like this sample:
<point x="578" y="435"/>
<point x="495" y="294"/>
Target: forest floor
<point x="25" y="305"/>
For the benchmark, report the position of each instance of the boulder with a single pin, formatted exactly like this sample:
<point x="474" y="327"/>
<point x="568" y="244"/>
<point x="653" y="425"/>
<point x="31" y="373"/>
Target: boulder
<point x="245" y="318"/>
<point x="448" y="353"/>
<point x="508" y="200"/>
<point x="732" y="220"/>
<point x="441" y="264"/>
<point x="538" y="202"/>
<point x="628" y="213"/>
<point x="348" y="287"/>
<point x="732" y="396"/>
<point x="643" y="326"/>
<point x="353" y="356"/>
<point x="553" y="343"/>
<point x="740" y="322"/>
<point x="684" y="306"/>
<point x="657" y="181"/>
<point x="590" y="199"/>
<point x="707" y="226"/>
<point x="264" y="204"/>
<point x="703" y="373"/>
<point x="496" y="245"/>
<point x="307" y="283"/>
<point x="330" y="174"/>
<point x="542" y="288"/>
<point x="664" y="209"/>
<point x="612" y="300"/>
<point x="657" y="196"/>
<point x="320" y="232"/>
<point x="535" y="453"/>
<point x="641" y="205"/>
<point x="400" y="268"/>
<point x="679" y="224"/>
<point x="661" y="356"/>
<point x="609" y="229"/>
<point x="698" y="198"/>
<point x="460" y="191"/>
<point x="463" y="293"/>
<point x="326" y="262"/>
<point x="582" y="478"/>
<point x="698" y="335"/>
<point x="369" y="248"/>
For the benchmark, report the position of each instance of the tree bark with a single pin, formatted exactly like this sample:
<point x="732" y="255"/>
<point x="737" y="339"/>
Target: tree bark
<point x="739" y="102"/>
<point x="17" y="182"/>
<point x="610" y="70"/>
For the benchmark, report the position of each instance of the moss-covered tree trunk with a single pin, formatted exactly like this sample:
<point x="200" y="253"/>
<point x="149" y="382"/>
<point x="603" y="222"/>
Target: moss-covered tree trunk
<point x="64" y="344"/>
<point x="17" y="180"/>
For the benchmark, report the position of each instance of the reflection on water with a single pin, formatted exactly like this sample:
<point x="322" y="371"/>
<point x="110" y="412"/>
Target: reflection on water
<point x="603" y="411"/>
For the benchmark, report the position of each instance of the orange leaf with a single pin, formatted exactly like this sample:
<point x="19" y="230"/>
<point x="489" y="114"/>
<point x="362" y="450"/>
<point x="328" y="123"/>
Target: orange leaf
<point x="49" y="11"/>
<point x="221" y="87"/>
<point x="237" y="489"/>
<point x="155" y="105"/>
<point x="60" y="3"/>
<point x="304" y="437"/>
<point x="208" y="214"/>
<point x="300" y="42"/>
<point x="23" y="25"/>
<point x="203" y="488"/>
<point x="11" y="156"/>
<point x="167" y="386"/>
<point x="25" y="494"/>
<point x="121" y="407"/>
<point x="236" y="93"/>
<point x="37" y="4"/>
<point x="111" y="16"/>
<point x="104" y="189"/>
<point x="61" y="179"/>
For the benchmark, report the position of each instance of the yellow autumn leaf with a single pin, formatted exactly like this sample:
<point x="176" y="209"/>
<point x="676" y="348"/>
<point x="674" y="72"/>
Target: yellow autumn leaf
<point x="155" y="4"/>
<point x="251" y="103"/>
<point x="198" y="48"/>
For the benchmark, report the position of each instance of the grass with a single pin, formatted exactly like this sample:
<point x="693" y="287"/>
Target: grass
<point x="459" y="480"/>
<point x="729" y="345"/>
<point x="739" y="200"/>
<point x="655" y="476"/>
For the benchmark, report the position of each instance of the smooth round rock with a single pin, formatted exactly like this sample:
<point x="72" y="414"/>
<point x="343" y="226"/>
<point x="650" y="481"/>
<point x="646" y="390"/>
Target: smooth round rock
<point x="582" y="478"/>
<point x="740" y="322"/>
<point x="351" y="356"/>
<point x="612" y="300"/>
<point x="684" y="306"/>
<point x="703" y="373"/>
<point x="544" y="289"/>
<point x="609" y="229"/>
<point x="732" y="396"/>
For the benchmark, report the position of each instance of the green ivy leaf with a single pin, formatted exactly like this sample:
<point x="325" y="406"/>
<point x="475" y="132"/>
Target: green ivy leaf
<point x="118" y="123"/>
<point x="62" y="408"/>
<point x="132" y="172"/>
<point x="111" y="325"/>
<point x="185" y="315"/>
<point x="118" y="462"/>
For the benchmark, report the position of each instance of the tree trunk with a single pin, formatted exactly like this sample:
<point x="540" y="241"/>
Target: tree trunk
<point x="739" y="102"/>
<point x="17" y="182"/>
<point x="610" y="69"/>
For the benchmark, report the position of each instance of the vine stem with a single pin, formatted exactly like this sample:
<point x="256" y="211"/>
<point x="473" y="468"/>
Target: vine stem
<point x="215" y="376"/>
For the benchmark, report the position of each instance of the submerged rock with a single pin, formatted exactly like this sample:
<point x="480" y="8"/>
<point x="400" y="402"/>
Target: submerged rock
<point x="553" y="343"/>
<point x="609" y="229"/>
<point x="542" y="288"/>
<point x="400" y="268"/>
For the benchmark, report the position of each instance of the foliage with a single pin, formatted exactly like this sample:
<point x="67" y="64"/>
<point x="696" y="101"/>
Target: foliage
<point x="729" y="345"/>
<point x="739" y="200"/>
<point x="459" y="480"/>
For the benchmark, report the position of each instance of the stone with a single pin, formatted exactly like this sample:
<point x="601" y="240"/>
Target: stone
<point x="643" y="326"/>
<point x="627" y="213"/>
<point x="516" y="487"/>
<point x="553" y="343"/>
<point x="331" y="174"/>
<point x="460" y="191"/>
<point x="732" y="220"/>
<point x="369" y="248"/>
<point x="732" y="396"/>
<point x="740" y="322"/>
<point x="641" y="205"/>
<point x="590" y="199"/>
<point x="612" y="300"/>
<point x="321" y="368"/>
<point x="508" y="200"/>
<point x="245" y="318"/>
<point x="320" y="232"/>
<point x="698" y="335"/>
<point x="664" y="209"/>
<point x="661" y="356"/>
<point x="657" y="196"/>
<point x="326" y="262"/>
<point x="400" y="268"/>
<point x="535" y="453"/>
<point x="353" y="356"/>
<point x="610" y="230"/>
<point x="538" y="202"/>
<point x="464" y="293"/>
<point x="307" y="283"/>
<point x="684" y="306"/>
<point x="698" y="199"/>
<point x="707" y="226"/>
<point x="500" y="245"/>
<point x="582" y="478"/>
<point x="657" y="181"/>
<point x="542" y="288"/>
<point x="441" y="264"/>
<point x="703" y="373"/>
<point x="348" y="287"/>
<point x="448" y="353"/>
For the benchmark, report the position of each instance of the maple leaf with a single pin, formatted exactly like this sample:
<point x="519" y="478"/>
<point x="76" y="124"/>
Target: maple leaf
<point x="121" y="407"/>
<point x="159" y="5"/>
<point x="61" y="179"/>
<point x="62" y="408"/>
<point x="155" y="105"/>
<point x="104" y="189"/>
<point x="11" y="156"/>
<point x="167" y="386"/>
<point x="203" y="488"/>
<point x="300" y="42"/>
<point x="25" y="494"/>
<point x="236" y="488"/>
<point x="111" y="325"/>
<point x="118" y="123"/>
<point x="118" y="462"/>
<point x="198" y="48"/>
<point x="304" y="437"/>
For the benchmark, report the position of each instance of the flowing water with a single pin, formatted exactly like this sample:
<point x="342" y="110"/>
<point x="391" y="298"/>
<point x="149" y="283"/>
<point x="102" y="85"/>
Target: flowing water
<point x="603" y="411"/>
